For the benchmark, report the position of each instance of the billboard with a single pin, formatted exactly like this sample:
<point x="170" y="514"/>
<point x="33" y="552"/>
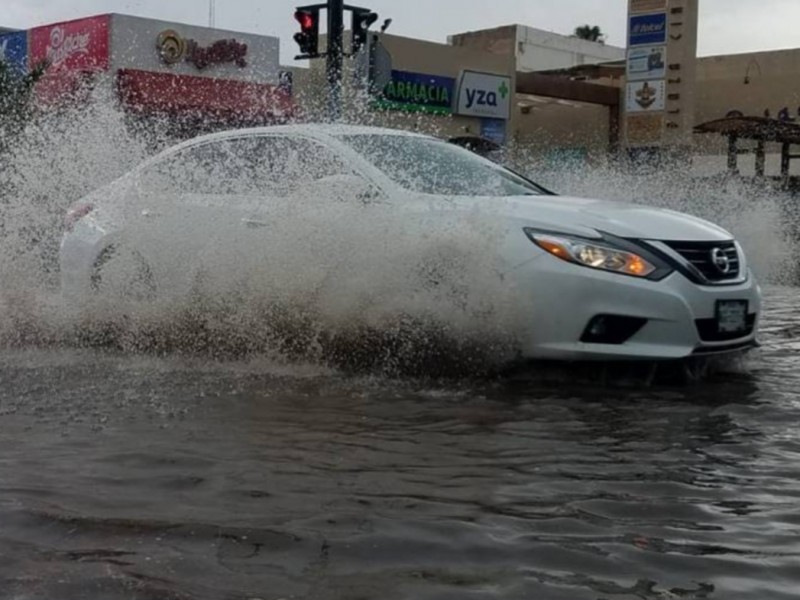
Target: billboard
<point x="164" y="47"/>
<point x="14" y="50"/>
<point x="647" y="6"/>
<point x="647" y="62"/>
<point x="494" y="130"/>
<point x="645" y="96"/>
<point x="417" y="92"/>
<point x="647" y="29"/>
<point x="484" y="95"/>
<point x="81" y="45"/>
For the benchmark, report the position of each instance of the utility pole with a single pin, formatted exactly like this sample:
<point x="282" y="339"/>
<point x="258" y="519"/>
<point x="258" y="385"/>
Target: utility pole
<point x="212" y="13"/>
<point x="334" y="56"/>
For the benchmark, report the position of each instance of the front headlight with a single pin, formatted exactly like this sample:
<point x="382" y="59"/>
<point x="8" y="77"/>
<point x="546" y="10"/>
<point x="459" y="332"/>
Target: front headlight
<point x="592" y="254"/>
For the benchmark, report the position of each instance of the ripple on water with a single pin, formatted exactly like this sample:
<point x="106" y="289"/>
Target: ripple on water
<point x="141" y="478"/>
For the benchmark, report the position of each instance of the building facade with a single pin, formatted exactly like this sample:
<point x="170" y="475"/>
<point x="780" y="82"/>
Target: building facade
<point x="536" y="49"/>
<point x="157" y="68"/>
<point x="466" y="88"/>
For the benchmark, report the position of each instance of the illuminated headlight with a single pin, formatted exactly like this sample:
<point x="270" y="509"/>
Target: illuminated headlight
<point x="592" y="254"/>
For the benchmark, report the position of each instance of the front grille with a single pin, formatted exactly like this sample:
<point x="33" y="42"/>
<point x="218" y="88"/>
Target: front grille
<point x="709" y="330"/>
<point x="707" y="257"/>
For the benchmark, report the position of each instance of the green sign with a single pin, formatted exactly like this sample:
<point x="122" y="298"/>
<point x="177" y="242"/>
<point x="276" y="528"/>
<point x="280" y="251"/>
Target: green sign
<point x="417" y="92"/>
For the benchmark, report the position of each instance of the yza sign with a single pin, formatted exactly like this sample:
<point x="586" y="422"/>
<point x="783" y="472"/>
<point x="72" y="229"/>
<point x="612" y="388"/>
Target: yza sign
<point x="484" y="95"/>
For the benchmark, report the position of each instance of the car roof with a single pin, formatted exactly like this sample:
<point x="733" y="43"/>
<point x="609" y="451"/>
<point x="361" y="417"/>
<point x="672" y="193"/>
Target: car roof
<point x="308" y="129"/>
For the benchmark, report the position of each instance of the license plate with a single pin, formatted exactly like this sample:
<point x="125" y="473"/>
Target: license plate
<point x="731" y="316"/>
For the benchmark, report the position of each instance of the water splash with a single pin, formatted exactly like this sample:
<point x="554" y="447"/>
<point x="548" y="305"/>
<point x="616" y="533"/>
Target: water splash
<point x="339" y="284"/>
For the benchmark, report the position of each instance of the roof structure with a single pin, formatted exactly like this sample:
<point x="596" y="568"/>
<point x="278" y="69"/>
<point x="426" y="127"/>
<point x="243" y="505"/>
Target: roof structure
<point x="612" y="69"/>
<point x="762" y="129"/>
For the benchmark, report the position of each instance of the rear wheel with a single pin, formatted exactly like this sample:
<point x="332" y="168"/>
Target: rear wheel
<point x="122" y="273"/>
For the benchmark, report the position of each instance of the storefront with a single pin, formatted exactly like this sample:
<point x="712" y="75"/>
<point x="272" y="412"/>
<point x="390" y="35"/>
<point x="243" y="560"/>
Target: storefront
<point x="197" y="77"/>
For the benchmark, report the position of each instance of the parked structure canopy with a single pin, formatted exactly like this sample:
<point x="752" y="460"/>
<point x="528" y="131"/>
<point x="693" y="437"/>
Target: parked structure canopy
<point x="759" y="129"/>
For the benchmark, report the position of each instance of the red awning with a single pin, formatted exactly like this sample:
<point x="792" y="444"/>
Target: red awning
<point x="187" y="94"/>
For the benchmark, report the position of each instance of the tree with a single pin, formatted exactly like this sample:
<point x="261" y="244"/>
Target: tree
<point x="16" y="91"/>
<point x="592" y="33"/>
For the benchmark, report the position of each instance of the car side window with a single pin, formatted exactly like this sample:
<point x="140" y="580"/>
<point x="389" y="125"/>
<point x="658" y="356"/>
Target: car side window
<point x="193" y="170"/>
<point x="278" y="166"/>
<point x="275" y="166"/>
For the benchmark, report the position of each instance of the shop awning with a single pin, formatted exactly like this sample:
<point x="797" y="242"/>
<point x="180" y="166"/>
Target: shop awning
<point x="150" y="91"/>
<point x="762" y="129"/>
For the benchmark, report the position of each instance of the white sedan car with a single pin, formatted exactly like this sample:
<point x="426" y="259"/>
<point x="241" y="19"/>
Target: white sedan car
<point x="316" y="205"/>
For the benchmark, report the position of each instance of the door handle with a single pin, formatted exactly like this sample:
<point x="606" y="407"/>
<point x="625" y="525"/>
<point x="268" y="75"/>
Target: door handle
<point x="253" y="223"/>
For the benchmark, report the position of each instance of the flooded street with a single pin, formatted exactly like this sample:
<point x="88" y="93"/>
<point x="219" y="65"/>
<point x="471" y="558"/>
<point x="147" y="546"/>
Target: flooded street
<point x="137" y="477"/>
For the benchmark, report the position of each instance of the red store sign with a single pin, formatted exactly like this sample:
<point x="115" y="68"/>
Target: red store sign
<point x="81" y="45"/>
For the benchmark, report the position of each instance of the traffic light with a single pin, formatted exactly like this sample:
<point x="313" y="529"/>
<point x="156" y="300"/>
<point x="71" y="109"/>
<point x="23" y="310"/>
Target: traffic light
<point x="308" y="36"/>
<point x="362" y="20"/>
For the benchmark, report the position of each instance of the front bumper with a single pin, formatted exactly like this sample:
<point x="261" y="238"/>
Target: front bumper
<point x="563" y="298"/>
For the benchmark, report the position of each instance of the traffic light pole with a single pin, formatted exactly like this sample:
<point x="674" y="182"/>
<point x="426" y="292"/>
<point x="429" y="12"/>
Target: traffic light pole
<point x="335" y="54"/>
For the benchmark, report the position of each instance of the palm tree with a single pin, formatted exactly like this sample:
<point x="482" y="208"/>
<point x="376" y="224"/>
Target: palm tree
<point x="592" y="33"/>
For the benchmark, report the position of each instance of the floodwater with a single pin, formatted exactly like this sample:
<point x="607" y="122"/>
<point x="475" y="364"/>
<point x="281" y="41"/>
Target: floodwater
<point x="143" y="473"/>
<point x="138" y="477"/>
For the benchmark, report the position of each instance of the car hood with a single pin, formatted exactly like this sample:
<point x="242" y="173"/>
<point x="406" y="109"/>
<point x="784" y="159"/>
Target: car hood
<point x="583" y="216"/>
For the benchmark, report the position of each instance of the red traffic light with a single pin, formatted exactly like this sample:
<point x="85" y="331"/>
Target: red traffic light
<point x="308" y="36"/>
<point x="306" y="19"/>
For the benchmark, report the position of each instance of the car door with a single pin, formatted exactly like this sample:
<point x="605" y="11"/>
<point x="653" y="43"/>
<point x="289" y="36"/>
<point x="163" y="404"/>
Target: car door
<point x="170" y="216"/>
<point x="288" y="192"/>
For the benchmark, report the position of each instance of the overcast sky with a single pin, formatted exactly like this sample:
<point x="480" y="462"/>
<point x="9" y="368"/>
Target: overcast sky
<point x="726" y="26"/>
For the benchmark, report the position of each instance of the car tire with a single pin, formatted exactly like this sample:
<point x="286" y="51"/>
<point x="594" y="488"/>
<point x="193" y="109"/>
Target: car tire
<point x="122" y="273"/>
<point x="443" y="273"/>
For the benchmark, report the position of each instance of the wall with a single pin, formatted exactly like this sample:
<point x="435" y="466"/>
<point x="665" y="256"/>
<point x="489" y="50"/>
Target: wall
<point x="440" y="59"/>
<point x="134" y="46"/>
<point x="408" y="54"/>
<point x="554" y="128"/>
<point x="721" y="88"/>
<point x="551" y="127"/>
<point x="772" y="84"/>
<point x="500" y="40"/>
<point x="539" y="50"/>
<point x="536" y="49"/>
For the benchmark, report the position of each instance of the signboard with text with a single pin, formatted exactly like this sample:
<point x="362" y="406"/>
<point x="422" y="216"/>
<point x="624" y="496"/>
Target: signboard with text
<point x="647" y="62"/>
<point x="81" y="45"/>
<point x="162" y="47"/>
<point x="14" y="50"/>
<point x="494" y="130"/>
<point x="417" y="92"/>
<point x="661" y="74"/>
<point x="645" y="96"/>
<point x="74" y="52"/>
<point x="484" y="95"/>
<point x="648" y="29"/>
<point x="647" y="6"/>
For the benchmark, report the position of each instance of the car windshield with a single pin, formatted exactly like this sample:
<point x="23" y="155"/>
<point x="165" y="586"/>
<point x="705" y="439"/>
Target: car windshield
<point x="430" y="166"/>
